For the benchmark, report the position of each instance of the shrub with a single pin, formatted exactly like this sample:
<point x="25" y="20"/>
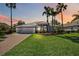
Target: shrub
<point x="4" y="28"/>
<point x="2" y="33"/>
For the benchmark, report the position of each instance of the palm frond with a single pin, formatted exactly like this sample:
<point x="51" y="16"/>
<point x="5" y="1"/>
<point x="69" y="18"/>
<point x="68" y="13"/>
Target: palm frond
<point x="76" y="18"/>
<point x="47" y="11"/>
<point x="44" y="13"/>
<point x="75" y="15"/>
<point x="14" y="5"/>
<point x="64" y="7"/>
<point x="7" y="4"/>
<point x="45" y="8"/>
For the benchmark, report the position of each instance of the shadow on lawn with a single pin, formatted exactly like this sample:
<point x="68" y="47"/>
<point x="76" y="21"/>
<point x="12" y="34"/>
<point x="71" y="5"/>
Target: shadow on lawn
<point x="72" y="38"/>
<point x="49" y="34"/>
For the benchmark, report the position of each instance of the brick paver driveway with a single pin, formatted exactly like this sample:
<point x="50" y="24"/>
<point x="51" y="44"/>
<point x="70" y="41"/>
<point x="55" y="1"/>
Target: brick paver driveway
<point x="11" y="41"/>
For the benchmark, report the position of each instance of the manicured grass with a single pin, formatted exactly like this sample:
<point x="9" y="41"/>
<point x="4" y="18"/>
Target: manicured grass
<point x="41" y="45"/>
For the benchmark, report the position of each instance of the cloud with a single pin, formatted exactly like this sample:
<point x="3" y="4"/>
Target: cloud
<point x="3" y="17"/>
<point x="6" y="19"/>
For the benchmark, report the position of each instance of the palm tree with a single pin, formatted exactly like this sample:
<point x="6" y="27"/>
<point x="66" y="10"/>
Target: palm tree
<point x="11" y="6"/>
<point x="76" y="17"/>
<point x="60" y="8"/>
<point x="53" y="14"/>
<point x="47" y="13"/>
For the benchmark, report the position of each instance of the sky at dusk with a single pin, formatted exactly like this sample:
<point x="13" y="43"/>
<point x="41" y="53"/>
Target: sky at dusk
<point x="32" y="12"/>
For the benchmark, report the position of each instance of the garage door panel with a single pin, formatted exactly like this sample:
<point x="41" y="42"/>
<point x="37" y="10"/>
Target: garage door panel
<point x="26" y="30"/>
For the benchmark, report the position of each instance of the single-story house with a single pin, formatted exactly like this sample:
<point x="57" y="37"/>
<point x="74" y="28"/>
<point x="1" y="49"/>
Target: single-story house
<point x="33" y="28"/>
<point x="74" y="26"/>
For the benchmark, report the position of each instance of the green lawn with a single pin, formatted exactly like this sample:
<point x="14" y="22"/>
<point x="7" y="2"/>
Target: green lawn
<point x="48" y="45"/>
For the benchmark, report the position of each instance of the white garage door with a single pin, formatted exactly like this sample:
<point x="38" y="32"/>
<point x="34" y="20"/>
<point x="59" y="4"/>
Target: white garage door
<point x="26" y="30"/>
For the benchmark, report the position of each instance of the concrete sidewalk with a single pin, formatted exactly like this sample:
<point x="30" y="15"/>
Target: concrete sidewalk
<point x="11" y="41"/>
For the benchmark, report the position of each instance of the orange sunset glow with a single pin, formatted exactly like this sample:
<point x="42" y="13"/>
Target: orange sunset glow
<point x="33" y="15"/>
